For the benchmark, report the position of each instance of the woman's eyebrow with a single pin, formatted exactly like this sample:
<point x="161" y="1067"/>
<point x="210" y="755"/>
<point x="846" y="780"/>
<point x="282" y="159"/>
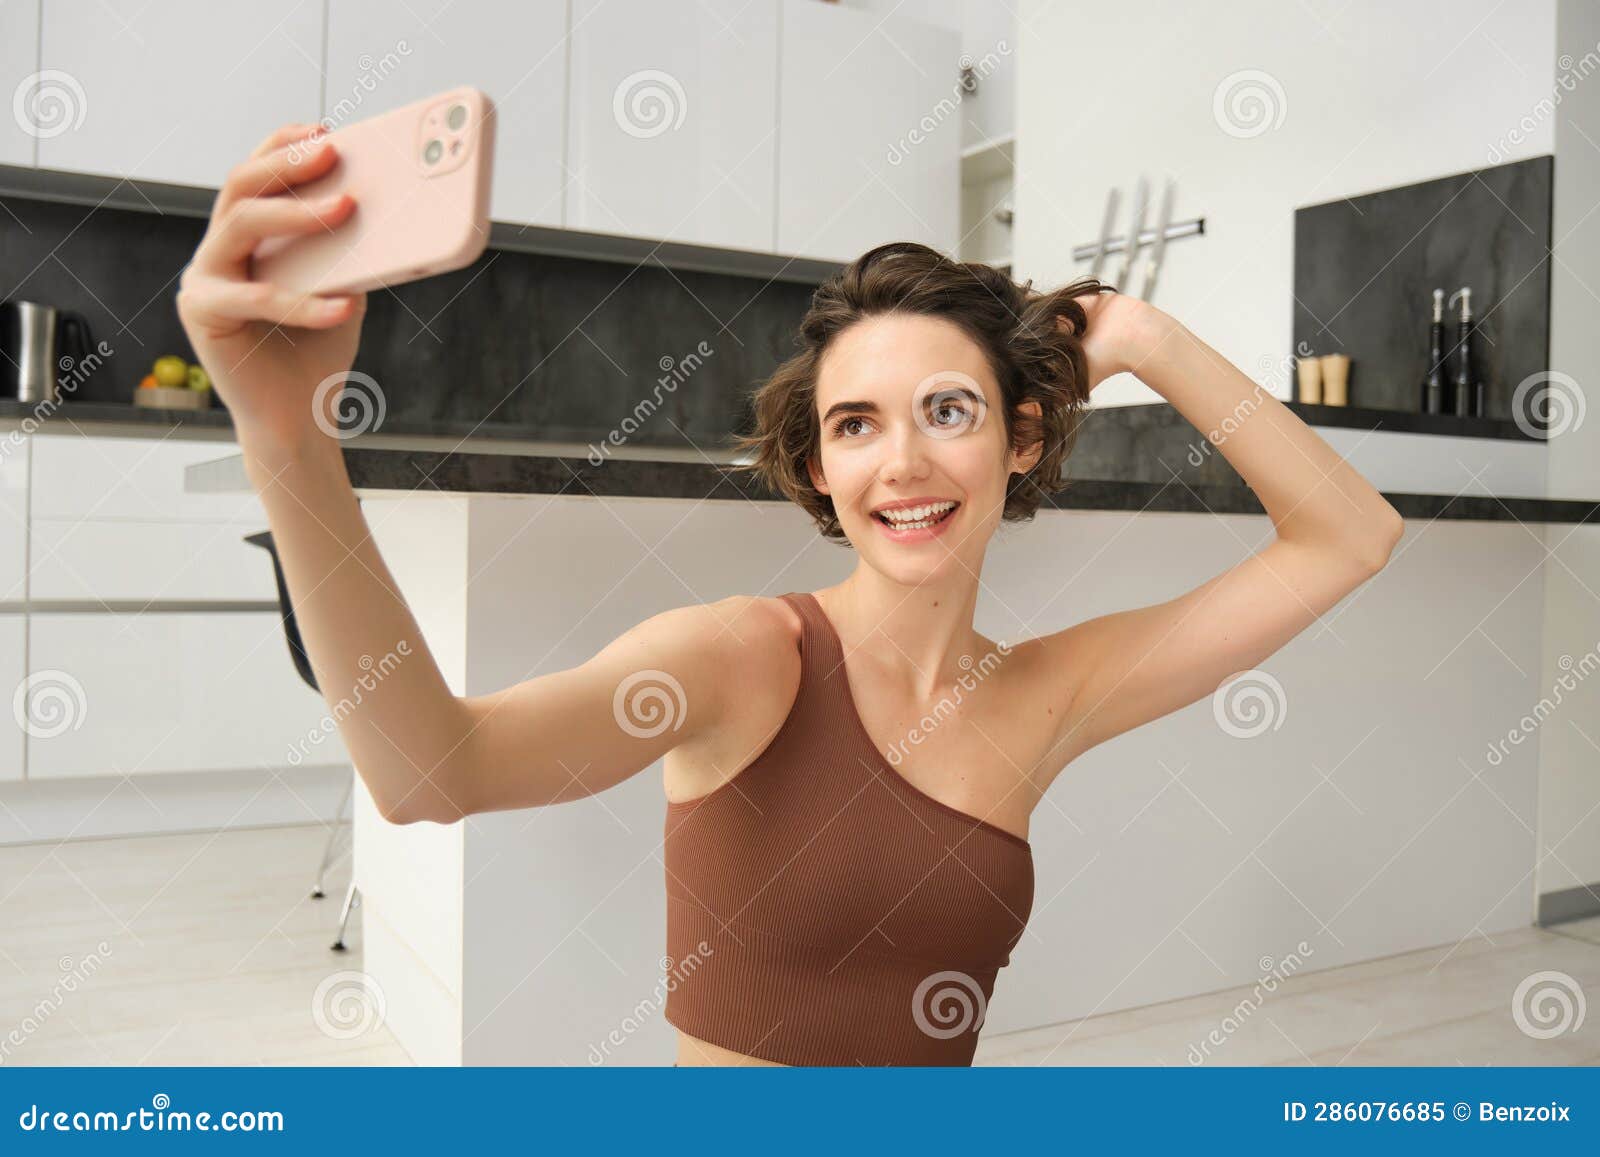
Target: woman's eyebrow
<point x="850" y="408"/>
<point x="962" y="391"/>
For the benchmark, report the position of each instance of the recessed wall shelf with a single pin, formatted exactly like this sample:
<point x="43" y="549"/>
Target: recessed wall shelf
<point x="1412" y="422"/>
<point x="989" y="161"/>
<point x="988" y="183"/>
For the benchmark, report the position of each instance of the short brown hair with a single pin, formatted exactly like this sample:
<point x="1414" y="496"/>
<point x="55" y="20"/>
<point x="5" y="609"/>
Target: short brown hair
<point x="1034" y="357"/>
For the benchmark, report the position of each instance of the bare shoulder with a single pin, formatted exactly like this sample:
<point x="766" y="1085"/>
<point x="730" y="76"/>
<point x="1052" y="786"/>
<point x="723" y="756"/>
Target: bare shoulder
<point x="758" y="637"/>
<point x="754" y="652"/>
<point x="726" y="647"/>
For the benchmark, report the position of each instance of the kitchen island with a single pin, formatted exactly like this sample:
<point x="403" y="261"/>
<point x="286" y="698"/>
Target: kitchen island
<point x="1171" y="861"/>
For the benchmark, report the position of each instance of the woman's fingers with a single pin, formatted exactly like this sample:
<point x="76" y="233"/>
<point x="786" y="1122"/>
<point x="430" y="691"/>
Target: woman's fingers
<point x="284" y="135"/>
<point x="277" y="171"/>
<point x="221" y="302"/>
<point x="249" y="222"/>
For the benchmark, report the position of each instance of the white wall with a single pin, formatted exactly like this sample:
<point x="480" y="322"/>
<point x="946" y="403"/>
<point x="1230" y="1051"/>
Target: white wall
<point x="1569" y="798"/>
<point x="1371" y="95"/>
<point x="1362" y="108"/>
<point x="1380" y="95"/>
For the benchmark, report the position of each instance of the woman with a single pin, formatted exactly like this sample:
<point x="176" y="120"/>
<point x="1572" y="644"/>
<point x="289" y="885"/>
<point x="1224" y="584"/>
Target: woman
<point x="846" y="847"/>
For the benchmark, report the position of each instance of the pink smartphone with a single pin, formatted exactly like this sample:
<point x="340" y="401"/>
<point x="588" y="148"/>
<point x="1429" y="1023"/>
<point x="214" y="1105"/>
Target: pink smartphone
<point x="420" y="177"/>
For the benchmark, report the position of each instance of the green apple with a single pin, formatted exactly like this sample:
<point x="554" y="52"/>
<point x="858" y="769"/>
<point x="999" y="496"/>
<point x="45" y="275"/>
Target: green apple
<point x="171" y="371"/>
<point x="198" y="378"/>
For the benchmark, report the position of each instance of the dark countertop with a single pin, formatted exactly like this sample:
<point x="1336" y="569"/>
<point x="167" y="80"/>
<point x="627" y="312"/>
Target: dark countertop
<point x="1153" y="416"/>
<point x="217" y="418"/>
<point x="1127" y="458"/>
<point x="480" y="473"/>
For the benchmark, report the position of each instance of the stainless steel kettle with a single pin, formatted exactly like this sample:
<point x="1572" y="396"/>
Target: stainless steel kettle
<point x="36" y="342"/>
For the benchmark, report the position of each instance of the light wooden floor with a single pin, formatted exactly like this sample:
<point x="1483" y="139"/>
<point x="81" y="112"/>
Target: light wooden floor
<point x="217" y="950"/>
<point x="1448" y="1005"/>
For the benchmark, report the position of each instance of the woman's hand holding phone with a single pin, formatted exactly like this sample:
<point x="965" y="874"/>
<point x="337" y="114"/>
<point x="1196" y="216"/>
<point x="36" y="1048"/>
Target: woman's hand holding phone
<point x="267" y="348"/>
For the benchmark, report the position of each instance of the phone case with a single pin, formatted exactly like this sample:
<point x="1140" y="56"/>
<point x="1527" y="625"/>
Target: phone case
<point x="421" y="185"/>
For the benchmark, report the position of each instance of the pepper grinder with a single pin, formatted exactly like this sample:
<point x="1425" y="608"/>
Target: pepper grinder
<point x="1465" y="395"/>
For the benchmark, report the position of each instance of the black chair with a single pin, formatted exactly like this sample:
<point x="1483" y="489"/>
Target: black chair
<point x="302" y="665"/>
<point x="291" y="630"/>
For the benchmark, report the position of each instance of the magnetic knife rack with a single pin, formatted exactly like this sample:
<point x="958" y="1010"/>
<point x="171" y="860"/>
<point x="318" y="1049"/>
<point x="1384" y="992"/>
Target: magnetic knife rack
<point x="1154" y="239"/>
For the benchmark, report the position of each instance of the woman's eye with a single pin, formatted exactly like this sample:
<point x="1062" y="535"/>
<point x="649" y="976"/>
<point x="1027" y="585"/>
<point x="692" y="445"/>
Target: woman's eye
<point x="959" y="415"/>
<point x="839" y="427"/>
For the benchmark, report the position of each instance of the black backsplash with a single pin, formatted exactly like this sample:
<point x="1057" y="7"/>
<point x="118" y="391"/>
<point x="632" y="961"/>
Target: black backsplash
<point x="1365" y="269"/>
<point x="562" y="348"/>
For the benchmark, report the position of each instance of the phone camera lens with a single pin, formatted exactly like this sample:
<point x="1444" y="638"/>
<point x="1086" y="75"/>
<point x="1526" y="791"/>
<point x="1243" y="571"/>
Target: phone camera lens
<point x="432" y="151"/>
<point x="456" y="117"/>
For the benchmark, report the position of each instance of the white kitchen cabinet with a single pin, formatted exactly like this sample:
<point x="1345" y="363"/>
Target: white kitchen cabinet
<point x="180" y="90"/>
<point x="869" y="132"/>
<point x="111" y="521"/>
<point x="108" y="561"/>
<point x="13" y="658"/>
<point x="14" y="451"/>
<point x="82" y="476"/>
<point x="673" y="120"/>
<point x="157" y="692"/>
<point x="382" y="55"/>
<point x="19" y="60"/>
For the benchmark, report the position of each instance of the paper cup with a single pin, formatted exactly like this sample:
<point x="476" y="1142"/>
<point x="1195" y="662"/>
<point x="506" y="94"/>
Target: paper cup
<point x="1335" y="379"/>
<point x="1309" y="371"/>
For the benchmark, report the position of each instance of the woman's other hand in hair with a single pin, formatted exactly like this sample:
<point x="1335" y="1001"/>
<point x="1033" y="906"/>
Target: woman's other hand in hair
<point x="1121" y="331"/>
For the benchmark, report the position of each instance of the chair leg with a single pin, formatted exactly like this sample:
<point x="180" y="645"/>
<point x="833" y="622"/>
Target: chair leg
<point x="333" y="837"/>
<point x="352" y="899"/>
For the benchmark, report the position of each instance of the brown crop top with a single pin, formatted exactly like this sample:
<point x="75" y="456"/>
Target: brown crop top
<point x="822" y="910"/>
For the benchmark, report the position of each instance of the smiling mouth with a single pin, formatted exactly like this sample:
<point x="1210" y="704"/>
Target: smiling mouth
<point x="941" y="512"/>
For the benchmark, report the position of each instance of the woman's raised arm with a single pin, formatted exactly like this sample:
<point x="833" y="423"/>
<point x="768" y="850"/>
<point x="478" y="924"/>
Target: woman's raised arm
<point x="423" y="752"/>
<point x="1334" y="531"/>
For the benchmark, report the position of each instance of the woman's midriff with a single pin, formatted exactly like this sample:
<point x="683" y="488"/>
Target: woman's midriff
<point x="694" y="1051"/>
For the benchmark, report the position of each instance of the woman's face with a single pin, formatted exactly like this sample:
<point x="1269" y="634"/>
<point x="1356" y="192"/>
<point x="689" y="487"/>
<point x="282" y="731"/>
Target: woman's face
<point x="910" y="414"/>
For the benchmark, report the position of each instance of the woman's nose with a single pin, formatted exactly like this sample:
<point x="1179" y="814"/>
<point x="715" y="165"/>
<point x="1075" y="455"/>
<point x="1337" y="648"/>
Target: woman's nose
<point x="905" y="454"/>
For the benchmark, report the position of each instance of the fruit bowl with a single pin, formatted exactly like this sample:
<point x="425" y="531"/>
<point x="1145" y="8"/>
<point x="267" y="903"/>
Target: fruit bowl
<point x="172" y="398"/>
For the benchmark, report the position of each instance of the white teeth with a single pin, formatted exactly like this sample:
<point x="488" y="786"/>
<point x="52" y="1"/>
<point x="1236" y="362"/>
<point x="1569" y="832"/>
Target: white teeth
<point x="916" y="517"/>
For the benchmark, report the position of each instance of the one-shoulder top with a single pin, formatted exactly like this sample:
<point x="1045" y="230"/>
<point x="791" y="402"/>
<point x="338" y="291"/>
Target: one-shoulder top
<point x="822" y="910"/>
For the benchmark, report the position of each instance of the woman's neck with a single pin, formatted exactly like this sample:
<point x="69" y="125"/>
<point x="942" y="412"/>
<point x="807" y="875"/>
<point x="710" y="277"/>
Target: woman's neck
<point x="916" y="635"/>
